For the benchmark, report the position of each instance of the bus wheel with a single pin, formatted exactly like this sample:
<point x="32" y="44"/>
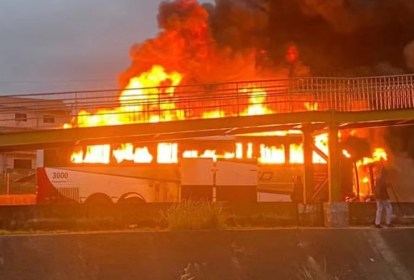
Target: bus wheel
<point x="98" y="198"/>
<point x="131" y="198"/>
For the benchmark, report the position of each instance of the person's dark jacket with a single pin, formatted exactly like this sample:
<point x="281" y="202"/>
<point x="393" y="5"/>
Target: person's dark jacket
<point x="381" y="189"/>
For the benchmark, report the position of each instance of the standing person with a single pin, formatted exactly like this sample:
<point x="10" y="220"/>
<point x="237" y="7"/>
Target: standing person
<point x="383" y="199"/>
<point x="297" y="190"/>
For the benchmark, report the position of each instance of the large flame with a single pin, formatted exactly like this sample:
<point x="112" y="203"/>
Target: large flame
<point x="257" y="98"/>
<point x="127" y="152"/>
<point x="366" y="169"/>
<point x="150" y="98"/>
<point x="186" y="45"/>
<point x="378" y="155"/>
<point x="153" y="89"/>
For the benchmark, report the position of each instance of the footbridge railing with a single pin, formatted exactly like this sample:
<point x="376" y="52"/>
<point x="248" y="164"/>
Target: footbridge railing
<point x="165" y="103"/>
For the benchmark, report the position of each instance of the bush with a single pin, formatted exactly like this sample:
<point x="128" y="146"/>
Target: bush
<point x="195" y="215"/>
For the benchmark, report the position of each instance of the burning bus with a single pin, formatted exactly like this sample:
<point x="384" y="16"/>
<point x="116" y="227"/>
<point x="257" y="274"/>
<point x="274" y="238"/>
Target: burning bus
<point x="239" y="169"/>
<point x="249" y="167"/>
<point x="174" y="77"/>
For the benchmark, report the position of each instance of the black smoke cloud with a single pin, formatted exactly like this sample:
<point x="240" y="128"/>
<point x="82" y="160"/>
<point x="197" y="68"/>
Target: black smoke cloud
<point x="249" y="39"/>
<point x="228" y="41"/>
<point x="334" y="37"/>
<point x="240" y="24"/>
<point x="187" y="44"/>
<point x="331" y="37"/>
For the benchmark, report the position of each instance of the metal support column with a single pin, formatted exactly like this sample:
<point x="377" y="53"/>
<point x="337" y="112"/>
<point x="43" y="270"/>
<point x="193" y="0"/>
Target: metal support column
<point x="334" y="165"/>
<point x="286" y="147"/>
<point x="308" y="165"/>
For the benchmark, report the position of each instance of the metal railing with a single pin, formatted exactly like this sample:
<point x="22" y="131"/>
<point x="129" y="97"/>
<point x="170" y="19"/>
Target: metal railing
<point x="94" y="108"/>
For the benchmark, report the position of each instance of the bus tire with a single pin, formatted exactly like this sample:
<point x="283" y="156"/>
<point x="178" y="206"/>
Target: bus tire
<point x="131" y="198"/>
<point x="98" y="198"/>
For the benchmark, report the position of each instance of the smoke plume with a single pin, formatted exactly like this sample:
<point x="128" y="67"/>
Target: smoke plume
<point x="235" y="40"/>
<point x="228" y="41"/>
<point x="244" y="39"/>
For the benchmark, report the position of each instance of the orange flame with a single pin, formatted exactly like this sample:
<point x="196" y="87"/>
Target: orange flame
<point x="257" y="98"/>
<point x="378" y="155"/>
<point x="296" y="153"/>
<point x="141" y="91"/>
<point x="126" y="152"/>
<point x="94" y="154"/>
<point x="311" y="106"/>
<point x="272" y="154"/>
<point x="346" y="154"/>
<point x="213" y="114"/>
<point x="153" y="92"/>
<point x="167" y="153"/>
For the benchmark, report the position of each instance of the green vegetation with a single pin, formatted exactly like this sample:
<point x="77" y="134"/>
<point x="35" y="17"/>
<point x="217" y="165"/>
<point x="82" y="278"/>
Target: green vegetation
<point x="188" y="215"/>
<point x="195" y="215"/>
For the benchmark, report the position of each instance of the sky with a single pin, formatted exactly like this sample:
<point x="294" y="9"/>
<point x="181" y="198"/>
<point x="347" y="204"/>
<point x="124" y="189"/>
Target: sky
<point x="61" y="45"/>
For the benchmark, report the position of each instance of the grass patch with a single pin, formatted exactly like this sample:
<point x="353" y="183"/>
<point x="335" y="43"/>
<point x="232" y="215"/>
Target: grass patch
<point x="195" y="215"/>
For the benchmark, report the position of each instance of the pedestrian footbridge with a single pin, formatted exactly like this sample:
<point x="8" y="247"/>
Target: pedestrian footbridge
<point x="168" y="113"/>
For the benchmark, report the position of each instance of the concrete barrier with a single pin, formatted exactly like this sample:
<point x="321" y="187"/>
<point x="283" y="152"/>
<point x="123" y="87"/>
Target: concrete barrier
<point x="353" y="253"/>
<point x="336" y="214"/>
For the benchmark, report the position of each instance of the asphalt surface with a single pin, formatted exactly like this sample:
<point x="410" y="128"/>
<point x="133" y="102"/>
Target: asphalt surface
<point x="285" y="253"/>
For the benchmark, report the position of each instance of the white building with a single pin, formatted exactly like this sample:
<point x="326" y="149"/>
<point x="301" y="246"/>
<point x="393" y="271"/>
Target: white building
<point x="22" y="114"/>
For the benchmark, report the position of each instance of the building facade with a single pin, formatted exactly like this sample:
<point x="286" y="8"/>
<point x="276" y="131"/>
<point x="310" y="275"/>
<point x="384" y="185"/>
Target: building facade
<point x="23" y="114"/>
